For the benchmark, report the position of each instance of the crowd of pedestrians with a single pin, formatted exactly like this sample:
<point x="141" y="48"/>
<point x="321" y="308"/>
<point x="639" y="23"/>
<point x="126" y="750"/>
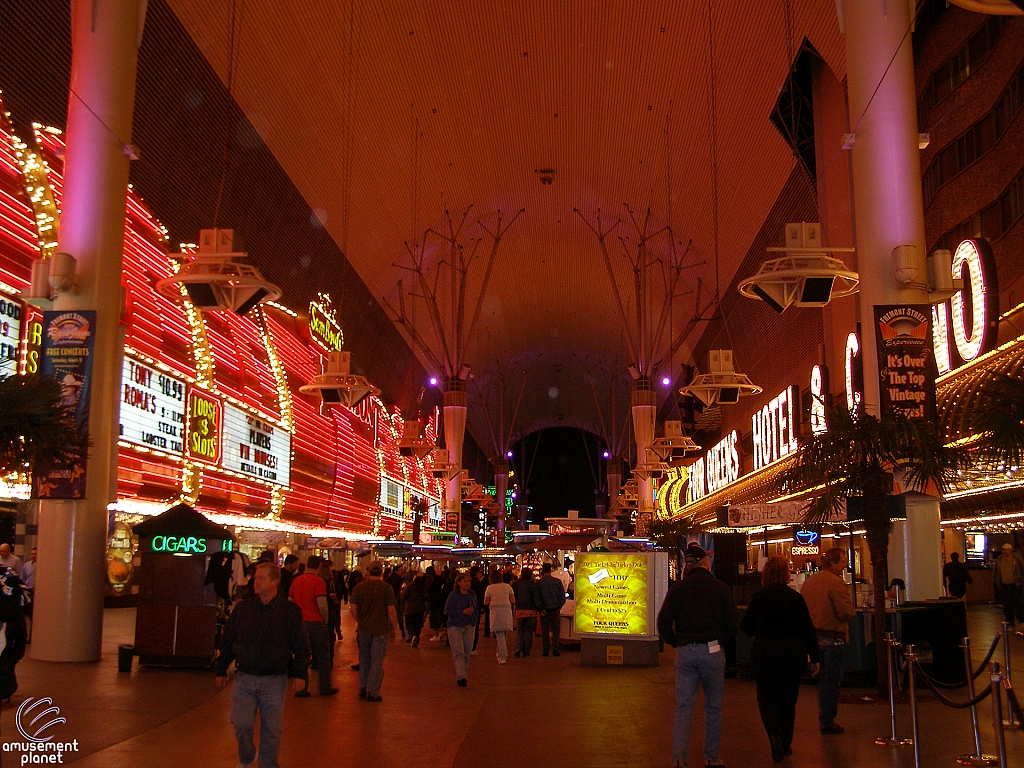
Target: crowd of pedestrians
<point x="291" y="621"/>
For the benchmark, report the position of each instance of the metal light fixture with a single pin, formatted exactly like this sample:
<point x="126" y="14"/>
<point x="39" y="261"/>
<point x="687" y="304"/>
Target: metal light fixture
<point x="337" y="386"/>
<point x="413" y="442"/>
<point x="722" y="385"/>
<point x="215" y="277"/>
<point x="443" y="469"/>
<point x="805" y="277"/>
<point x="674" y="446"/>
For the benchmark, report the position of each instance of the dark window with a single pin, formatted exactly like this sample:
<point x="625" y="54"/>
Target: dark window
<point x="958" y="67"/>
<point x="976" y="140"/>
<point x="994" y="221"/>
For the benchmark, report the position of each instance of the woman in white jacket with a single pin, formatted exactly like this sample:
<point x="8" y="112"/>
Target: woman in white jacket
<point x="501" y="601"/>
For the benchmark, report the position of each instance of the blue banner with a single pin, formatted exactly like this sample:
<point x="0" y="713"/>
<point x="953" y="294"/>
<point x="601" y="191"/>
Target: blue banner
<point x="68" y="342"/>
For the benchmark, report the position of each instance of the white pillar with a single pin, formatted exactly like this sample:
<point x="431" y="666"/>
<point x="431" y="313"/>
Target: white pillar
<point x="643" y="404"/>
<point x="455" y="403"/>
<point x="500" y="492"/>
<point x="105" y="35"/>
<point x="889" y="212"/>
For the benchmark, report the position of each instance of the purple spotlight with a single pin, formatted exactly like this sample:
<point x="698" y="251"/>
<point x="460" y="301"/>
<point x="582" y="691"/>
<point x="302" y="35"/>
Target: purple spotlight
<point x="508" y="455"/>
<point x="665" y="381"/>
<point x="606" y="454"/>
<point x="513" y="494"/>
<point x="433" y="381"/>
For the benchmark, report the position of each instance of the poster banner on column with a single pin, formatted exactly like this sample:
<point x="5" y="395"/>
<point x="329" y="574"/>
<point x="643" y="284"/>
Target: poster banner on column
<point x="906" y="360"/>
<point x="68" y="342"/>
<point x="612" y="593"/>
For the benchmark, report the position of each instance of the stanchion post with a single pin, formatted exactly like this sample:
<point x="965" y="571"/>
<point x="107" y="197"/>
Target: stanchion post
<point x="996" y="681"/>
<point x="911" y="655"/>
<point x="1009" y="722"/>
<point x="978" y="758"/>
<point x="893" y="740"/>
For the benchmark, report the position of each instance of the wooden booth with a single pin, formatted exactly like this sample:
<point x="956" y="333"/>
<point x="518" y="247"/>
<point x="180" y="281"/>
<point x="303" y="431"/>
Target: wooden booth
<point x="177" y="613"/>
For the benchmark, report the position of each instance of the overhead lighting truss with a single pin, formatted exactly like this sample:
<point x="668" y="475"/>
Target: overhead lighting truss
<point x="723" y="385"/>
<point x="337" y="385"/>
<point x="806" y="276"/>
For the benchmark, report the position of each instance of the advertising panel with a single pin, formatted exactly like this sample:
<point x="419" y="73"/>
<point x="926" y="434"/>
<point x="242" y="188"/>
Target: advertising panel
<point x="152" y="408"/>
<point x="68" y="342"/>
<point x="612" y="594"/>
<point x="906" y="360"/>
<point x="11" y="311"/>
<point x="203" y="426"/>
<point x="256" y="447"/>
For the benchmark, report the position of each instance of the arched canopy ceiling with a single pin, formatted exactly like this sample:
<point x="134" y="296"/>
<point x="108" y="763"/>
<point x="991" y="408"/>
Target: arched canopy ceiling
<point x="386" y="114"/>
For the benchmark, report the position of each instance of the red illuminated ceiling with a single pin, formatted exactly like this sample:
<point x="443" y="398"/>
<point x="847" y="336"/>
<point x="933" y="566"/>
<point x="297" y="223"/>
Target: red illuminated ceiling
<point x="613" y="96"/>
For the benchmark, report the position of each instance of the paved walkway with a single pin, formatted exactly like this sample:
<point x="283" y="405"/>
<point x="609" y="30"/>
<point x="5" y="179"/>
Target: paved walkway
<point x="532" y="713"/>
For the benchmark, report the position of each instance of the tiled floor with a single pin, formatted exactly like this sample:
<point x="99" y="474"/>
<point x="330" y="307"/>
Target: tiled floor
<point x="534" y="712"/>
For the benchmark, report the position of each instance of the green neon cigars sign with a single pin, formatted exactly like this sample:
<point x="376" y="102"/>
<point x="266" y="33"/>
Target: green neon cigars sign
<point x="186" y="545"/>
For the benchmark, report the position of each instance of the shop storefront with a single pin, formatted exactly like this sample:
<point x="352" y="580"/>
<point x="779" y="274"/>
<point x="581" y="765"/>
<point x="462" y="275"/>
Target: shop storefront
<point x="211" y="412"/>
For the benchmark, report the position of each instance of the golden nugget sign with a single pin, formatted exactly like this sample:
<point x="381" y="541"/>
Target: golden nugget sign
<point x="323" y="325"/>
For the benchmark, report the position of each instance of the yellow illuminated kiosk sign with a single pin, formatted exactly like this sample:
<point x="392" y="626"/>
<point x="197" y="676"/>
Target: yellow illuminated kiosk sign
<point x="612" y="594"/>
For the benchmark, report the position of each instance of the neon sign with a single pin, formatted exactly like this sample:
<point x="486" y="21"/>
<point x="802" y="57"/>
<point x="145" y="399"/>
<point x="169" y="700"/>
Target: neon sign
<point x="973" y="309"/>
<point x="819" y="390"/>
<point x="854" y="395"/>
<point x="10" y="334"/>
<point x="716" y="469"/>
<point x="774" y="427"/>
<point x="204" y="426"/>
<point x="189" y="545"/>
<point x="323" y="325"/>
<point x="806" y="543"/>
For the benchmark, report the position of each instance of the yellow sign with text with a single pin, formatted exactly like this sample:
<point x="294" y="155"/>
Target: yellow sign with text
<point x="611" y="594"/>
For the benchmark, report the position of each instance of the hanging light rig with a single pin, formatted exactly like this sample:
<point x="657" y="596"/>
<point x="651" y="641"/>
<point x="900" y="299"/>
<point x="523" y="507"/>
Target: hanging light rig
<point x="216" y="277"/>
<point x="337" y="385"/>
<point x="806" y="276"/>
<point x="722" y="385"/>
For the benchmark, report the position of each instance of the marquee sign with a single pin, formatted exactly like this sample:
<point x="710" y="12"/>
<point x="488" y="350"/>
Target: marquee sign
<point x="152" y="408"/>
<point x="204" y="417"/>
<point x="323" y="324"/>
<point x="716" y="469"/>
<point x="256" y="447"/>
<point x="973" y="311"/>
<point x="775" y="427"/>
<point x="11" y="311"/>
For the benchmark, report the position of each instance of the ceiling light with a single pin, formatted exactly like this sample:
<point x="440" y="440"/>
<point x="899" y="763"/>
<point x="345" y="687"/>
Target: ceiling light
<point x="216" y="278"/>
<point x="805" y="277"/>
<point x="337" y="386"/>
<point x="723" y="385"/>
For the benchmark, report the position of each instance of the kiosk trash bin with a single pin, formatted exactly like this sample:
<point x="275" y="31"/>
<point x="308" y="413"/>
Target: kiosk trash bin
<point x="125" y="657"/>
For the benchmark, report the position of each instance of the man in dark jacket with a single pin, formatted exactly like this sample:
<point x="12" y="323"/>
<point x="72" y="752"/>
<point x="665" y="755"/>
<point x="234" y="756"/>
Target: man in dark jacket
<point x="698" y="615"/>
<point x="263" y="634"/>
<point x="550" y="594"/>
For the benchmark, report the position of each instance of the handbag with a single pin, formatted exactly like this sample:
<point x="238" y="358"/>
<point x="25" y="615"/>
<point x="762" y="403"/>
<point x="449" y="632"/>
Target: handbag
<point x="525" y="613"/>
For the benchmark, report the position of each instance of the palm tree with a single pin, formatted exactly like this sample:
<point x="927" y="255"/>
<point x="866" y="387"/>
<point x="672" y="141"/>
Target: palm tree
<point x="856" y="457"/>
<point x="999" y="420"/>
<point x="37" y="432"/>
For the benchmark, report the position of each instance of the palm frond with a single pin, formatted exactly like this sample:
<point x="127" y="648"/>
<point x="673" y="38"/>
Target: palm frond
<point x="36" y="431"/>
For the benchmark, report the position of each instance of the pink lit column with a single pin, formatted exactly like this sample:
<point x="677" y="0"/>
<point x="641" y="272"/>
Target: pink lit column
<point x="889" y="212"/>
<point x="500" y="494"/>
<point x="643" y="404"/>
<point x="455" y="404"/>
<point x="105" y="35"/>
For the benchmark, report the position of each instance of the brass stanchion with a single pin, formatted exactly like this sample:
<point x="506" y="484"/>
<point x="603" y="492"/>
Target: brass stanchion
<point x="996" y="681"/>
<point x="893" y="740"/>
<point x="911" y="655"/>
<point x="1010" y="722"/>
<point x="978" y="758"/>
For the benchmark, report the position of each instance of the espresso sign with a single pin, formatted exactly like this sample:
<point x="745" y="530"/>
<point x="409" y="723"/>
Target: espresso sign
<point x="906" y="360"/>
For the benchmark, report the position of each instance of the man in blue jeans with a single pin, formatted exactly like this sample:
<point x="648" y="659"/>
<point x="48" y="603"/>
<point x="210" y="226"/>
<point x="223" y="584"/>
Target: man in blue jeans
<point x="372" y="605"/>
<point x="263" y="634"/>
<point x="828" y="599"/>
<point x="698" y="615"/>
